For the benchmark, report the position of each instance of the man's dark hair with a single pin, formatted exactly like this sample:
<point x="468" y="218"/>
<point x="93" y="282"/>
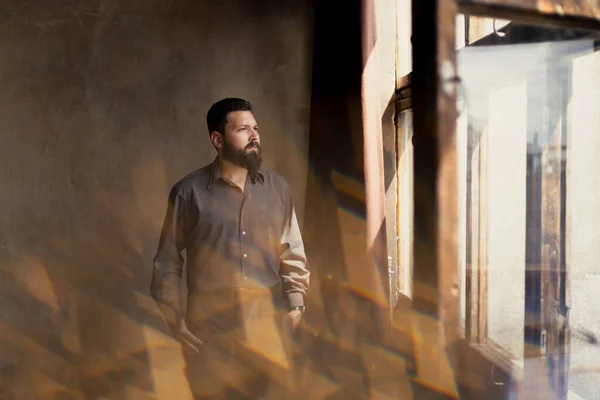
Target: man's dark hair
<point x="216" y="119"/>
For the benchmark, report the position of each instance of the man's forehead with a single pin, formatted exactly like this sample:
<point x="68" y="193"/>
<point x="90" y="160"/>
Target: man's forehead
<point x="241" y="118"/>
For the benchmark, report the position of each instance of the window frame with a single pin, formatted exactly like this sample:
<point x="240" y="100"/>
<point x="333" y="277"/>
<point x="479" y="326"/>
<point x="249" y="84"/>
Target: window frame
<point x="433" y="99"/>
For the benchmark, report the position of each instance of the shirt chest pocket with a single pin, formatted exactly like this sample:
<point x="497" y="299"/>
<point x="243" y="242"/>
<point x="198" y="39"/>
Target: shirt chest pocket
<point x="216" y="220"/>
<point x="268" y="219"/>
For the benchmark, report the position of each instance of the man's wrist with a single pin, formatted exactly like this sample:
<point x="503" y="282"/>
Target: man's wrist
<point x="298" y="308"/>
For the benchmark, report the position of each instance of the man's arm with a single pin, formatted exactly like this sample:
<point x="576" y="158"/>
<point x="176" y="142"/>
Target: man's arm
<point x="165" y="288"/>
<point x="295" y="275"/>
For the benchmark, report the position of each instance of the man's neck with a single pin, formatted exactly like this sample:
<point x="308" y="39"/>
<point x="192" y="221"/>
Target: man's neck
<point x="234" y="173"/>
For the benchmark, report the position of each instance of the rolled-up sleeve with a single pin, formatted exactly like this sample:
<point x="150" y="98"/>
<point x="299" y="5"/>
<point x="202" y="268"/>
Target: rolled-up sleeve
<point x="295" y="275"/>
<point x="168" y="261"/>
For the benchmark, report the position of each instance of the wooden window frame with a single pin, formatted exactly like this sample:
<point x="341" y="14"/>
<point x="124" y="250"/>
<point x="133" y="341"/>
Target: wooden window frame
<point x="566" y="13"/>
<point x="433" y="97"/>
<point x="476" y="332"/>
<point x="476" y="280"/>
<point x="404" y="201"/>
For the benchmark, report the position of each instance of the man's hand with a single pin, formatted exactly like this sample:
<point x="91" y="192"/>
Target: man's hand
<point x="294" y="318"/>
<point x="191" y="344"/>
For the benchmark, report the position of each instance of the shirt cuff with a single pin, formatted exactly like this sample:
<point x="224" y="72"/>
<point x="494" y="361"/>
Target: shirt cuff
<point x="296" y="299"/>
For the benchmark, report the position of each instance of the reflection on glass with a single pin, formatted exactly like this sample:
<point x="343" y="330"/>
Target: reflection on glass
<point x="529" y="145"/>
<point x="405" y="200"/>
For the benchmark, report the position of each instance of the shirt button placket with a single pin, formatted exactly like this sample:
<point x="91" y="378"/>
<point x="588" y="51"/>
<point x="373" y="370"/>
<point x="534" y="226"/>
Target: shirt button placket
<point x="243" y="239"/>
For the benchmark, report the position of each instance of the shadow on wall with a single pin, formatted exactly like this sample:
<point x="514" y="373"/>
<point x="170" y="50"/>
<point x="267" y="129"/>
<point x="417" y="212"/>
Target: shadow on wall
<point x="101" y="111"/>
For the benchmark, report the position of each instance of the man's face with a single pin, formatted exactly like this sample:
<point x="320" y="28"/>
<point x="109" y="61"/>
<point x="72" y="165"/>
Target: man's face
<point x="241" y="142"/>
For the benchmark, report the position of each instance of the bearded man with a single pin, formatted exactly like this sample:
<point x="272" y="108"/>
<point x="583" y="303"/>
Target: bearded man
<point x="244" y="259"/>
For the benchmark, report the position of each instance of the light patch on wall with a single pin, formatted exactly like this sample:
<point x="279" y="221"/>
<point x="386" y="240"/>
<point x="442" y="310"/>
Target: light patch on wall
<point x="387" y="372"/>
<point x="129" y="228"/>
<point x="433" y="367"/>
<point x="22" y="342"/>
<point x="166" y="366"/>
<point x="44" y="362"/>
<point x="70" y="335"/>
<point x="47" y="388"/>
<point x="361" y="277"/>
<point x="118" y="335"/>
<point x="348" y="185"/>
<point x="32" y="273"/>
<point x="261" y="333"/>
<point x="133" y="393"/>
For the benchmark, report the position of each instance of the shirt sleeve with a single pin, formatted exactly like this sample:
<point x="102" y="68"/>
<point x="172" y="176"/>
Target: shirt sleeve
<point x="168" y="261"/>
<point x="295" y="275"/>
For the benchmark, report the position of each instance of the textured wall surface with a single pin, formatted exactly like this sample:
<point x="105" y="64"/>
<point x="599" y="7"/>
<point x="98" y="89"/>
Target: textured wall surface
<point x="102" y="109"/>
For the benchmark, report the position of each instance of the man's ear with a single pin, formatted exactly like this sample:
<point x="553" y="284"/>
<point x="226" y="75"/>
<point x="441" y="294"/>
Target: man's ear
<point x="217" y="139"/>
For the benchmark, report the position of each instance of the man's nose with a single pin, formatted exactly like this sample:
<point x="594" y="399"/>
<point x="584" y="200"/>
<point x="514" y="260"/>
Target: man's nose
<point x="254" y="135"/>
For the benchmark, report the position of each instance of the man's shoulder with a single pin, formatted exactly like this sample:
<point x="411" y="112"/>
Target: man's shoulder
<point x="199" y="177"/>
<point x="274" y="178"/>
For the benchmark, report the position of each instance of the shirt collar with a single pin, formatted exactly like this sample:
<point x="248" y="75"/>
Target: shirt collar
<point x="216" y="174"/>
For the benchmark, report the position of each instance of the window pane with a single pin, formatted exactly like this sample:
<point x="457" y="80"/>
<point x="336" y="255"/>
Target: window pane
<point x="506" y="224"/>
<point x="462" y="143"/>
<point x="529" y="141"/>
<point x="582" y="221"/>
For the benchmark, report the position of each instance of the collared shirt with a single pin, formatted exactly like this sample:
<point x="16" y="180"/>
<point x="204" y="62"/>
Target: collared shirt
<point x="232" y="239"/>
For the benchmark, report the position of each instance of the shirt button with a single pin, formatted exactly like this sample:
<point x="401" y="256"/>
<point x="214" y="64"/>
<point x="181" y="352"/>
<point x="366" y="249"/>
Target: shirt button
<point x="244" y="233"/>
<point x="245" y="255"/>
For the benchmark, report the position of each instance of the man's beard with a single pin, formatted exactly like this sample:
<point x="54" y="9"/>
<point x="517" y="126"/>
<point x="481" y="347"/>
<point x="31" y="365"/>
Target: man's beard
<point x="246" y="158"/>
